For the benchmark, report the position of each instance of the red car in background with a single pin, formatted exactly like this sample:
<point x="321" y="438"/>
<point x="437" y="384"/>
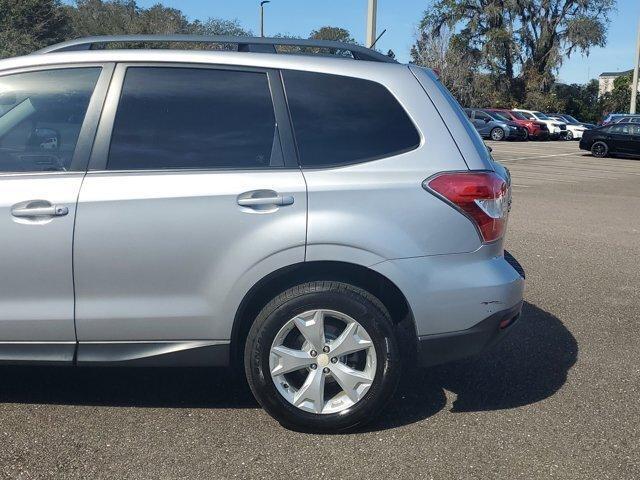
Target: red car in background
<point x="535" y="130"/>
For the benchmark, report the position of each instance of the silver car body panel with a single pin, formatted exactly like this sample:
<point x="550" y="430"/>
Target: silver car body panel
<point x="36" y="298"/>
<point x="167" y="256"/>
<point x="163" y="259"/>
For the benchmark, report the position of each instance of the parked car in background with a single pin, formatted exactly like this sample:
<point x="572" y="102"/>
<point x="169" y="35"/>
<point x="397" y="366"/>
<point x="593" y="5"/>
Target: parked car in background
<point x="572" y="120"/>
<point x="574" y="130"/>
<point x="493" y="128"/>
<point x="617" y="117"/>
<point x="557" y="128"/>
<point x="617" y="138"/>
<point x="520" y="131"/>
<point x="318" y="283"/>
<point x="629" y="119"/>
<point x="535" y="130"/>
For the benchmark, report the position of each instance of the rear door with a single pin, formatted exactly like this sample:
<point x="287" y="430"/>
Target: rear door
<point x="48" y="117"/>
<point x="635" y="139"/>
<point x="193" y="194"/>
<point x="620" y="138"/>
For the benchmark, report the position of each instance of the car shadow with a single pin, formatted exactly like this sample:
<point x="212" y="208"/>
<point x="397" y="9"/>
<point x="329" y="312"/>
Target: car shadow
<point x="530" y="365"/>
<point x="126" y="387"/>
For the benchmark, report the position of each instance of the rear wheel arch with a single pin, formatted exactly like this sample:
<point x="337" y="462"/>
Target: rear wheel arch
<point x="365" y="278"/>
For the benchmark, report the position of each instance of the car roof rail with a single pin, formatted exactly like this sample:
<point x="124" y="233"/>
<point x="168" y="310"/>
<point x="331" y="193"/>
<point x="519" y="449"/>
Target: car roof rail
<point x="244" y="44"/>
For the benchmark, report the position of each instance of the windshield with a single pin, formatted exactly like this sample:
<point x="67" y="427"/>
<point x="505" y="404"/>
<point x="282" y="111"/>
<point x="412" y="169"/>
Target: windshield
<point x="497" y="116"/>
<point x="571" y="119"/>
<point x="541" y="116"/>
<point x="518" y="115"/>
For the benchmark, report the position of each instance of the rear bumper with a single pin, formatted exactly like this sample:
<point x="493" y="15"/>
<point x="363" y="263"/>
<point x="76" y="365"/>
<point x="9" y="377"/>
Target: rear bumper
<point x="446" y="347"/>
<point x="453" y="293"/>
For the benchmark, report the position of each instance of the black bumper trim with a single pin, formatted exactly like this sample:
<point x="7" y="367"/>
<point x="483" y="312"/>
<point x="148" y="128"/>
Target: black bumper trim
<point x="446" y="347"/>
<point x="511" y="260"/>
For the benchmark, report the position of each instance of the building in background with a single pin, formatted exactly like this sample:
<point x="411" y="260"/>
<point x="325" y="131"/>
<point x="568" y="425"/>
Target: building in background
<point x="606" y="79"/>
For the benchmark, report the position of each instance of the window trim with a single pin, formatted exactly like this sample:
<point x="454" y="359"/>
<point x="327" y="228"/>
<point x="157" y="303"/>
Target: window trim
<point x="84" y="144"/>
<point x="328" y="166"/>
<point x="102" y="144"/>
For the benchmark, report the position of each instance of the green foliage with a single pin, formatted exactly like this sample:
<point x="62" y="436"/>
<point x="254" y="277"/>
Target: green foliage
<point x="619" y="99"/>
<point x="580" y="101"/>
<point x="515" y="47"/>
<point x="335" y="34"/>
<point x="28" y="25"/>
<point x="116" y="17"/>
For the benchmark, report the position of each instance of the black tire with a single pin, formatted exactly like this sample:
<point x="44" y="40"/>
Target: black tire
<point x="497" y="134"/>
<point x="599" y="149"/>
<point x="355" y="302"/>
<point x="526" y="135"/>
<point x="569" y="135"/>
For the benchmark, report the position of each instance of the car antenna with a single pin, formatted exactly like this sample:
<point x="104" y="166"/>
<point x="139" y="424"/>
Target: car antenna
<point x="377" y="38"/>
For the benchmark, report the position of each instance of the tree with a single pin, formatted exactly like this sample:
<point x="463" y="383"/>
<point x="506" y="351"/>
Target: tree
<point x="455" y="69"/>
<point x="521" y="44"/>
<point x="335" y="34"/>
<point x="119" y="17"/>
<point x="27" y="25"/>
<point x="619" y="99"/>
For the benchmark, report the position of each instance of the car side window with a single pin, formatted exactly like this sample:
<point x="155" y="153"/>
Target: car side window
<point x="41" y="114"/>
<point x="194" y="118"/>
<point x="621" y="128"/>
<point x="342" y="120"/>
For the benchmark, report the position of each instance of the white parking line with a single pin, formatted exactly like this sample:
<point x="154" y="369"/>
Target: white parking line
<point x="546" y="156"/>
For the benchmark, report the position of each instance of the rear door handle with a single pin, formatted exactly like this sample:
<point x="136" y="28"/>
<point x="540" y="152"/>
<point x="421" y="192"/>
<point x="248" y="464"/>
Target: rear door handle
<point x="50" y="211"/>
<point x="279" y="200"/>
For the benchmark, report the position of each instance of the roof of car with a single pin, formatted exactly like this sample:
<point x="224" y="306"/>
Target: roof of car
<point x="314" y="63"/>
<point x="238" y="43"/>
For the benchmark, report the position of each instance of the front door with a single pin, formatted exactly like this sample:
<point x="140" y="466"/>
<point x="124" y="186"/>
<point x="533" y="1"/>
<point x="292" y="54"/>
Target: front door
<point x="43" y="155"/>
<point x="191" y="198"/>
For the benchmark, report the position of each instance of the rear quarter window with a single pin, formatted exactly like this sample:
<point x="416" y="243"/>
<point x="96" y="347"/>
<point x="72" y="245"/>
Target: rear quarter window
<point x="342" y="120"/>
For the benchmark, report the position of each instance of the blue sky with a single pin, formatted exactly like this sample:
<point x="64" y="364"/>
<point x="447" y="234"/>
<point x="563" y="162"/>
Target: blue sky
<point x="400" y="17"/>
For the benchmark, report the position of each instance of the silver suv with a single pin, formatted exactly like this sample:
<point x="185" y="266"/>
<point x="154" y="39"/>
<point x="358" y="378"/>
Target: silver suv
<point x="319" y="221"/>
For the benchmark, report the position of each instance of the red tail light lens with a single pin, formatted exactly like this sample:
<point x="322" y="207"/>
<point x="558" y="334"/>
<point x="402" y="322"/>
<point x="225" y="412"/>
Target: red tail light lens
<point x="484" y="197"/>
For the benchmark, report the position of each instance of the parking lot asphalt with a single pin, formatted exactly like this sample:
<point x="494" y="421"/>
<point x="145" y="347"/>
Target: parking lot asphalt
<point x="557" y="399"/>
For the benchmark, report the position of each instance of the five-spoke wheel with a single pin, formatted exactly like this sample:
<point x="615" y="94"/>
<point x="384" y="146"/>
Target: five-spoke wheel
<point x="322" y="361"/>
<point x="322" y="356"/>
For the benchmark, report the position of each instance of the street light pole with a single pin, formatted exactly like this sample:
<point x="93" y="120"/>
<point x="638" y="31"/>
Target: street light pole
<point x="371" y="22"/>
<point x="634" y="84"/>
<point x="262" y="16"/>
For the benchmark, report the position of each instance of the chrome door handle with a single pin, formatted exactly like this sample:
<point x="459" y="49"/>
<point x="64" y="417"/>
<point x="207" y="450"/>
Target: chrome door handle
<point x="278" y="200"/>
<point x="52" y="211"/>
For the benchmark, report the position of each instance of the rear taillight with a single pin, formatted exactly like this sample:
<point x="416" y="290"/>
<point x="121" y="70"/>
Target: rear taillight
<point x="484" y="197"/>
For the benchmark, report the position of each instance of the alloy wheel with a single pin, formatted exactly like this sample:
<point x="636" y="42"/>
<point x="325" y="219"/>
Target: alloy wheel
<point x="599" y="149"/>
<point x="322" y="361"/>
<point x="497" y="134"/>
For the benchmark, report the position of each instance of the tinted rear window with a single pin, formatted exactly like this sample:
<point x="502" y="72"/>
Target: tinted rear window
<point x="341" y="120"/>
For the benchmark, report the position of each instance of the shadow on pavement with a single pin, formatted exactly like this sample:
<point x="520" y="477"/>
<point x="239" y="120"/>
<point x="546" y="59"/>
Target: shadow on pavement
<point x="126" y="387"/>
<point x="530" y="365"/>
